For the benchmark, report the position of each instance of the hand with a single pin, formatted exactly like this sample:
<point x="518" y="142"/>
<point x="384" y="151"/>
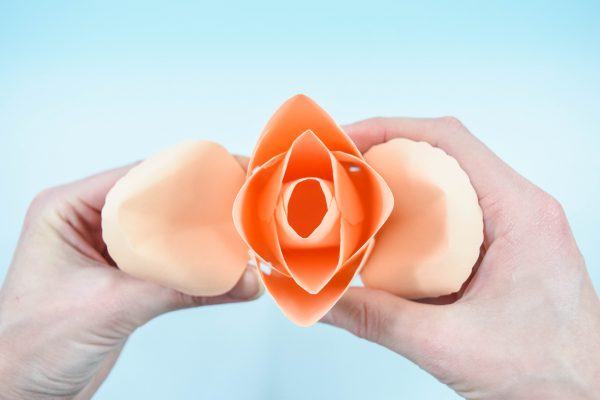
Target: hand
<point x="65" y="309"/>
<point x="527" y="326"/>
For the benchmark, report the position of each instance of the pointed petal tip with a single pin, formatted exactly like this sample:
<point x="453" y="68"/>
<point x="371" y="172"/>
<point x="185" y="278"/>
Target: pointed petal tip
<point x="296" y="115"/>
<point x="305" y="309"/>
<point x="300" y="97"/>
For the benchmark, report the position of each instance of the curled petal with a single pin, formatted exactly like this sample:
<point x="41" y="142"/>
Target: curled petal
<point x="307" y="157"/>
<point x="254" y="210"/>
<point x="431" y="241"/>
<point x="364" y="199"/>
<point x="312" y="220"/>
<point x="168" y="220"/>
<point x="302" y="307"/>
<point x="294" y="117"/>
<point x="309" y="232"/>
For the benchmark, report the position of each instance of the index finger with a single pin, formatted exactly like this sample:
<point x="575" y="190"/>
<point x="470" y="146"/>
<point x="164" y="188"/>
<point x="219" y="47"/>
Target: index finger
<point x="488" y="173"/>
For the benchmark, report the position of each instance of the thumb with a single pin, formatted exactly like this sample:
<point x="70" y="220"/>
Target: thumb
<point x="247" y="288"/>
<point x="404" y="326"/>
<point x="149" y="300"/>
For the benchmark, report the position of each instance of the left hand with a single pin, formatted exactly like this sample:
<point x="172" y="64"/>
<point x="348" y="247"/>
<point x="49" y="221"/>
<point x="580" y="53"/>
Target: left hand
<point x="66" y="310"/>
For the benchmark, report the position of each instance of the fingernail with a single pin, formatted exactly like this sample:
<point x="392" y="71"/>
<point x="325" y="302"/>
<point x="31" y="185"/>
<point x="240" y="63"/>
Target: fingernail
<point x="326" y="319"/>
<point x="249" y="286"/>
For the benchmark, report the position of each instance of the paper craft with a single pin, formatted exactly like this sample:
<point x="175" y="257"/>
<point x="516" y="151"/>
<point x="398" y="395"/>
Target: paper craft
<point x="169" y="220"/>
<point x="311" y="211"/>
<point x="428" y="246"/>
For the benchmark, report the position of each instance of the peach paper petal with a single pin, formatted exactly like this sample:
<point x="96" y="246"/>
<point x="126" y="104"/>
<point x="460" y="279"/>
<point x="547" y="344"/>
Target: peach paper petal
<point x="168" y="220"/>
<point x="254" y="212"/>
<point x="310" y="261"/>
<point x="311" y="268"/>
<point x="254" y="207"/>
<point x="304" y="308"/>
<point x="363" y="193"/>
<point x="308" y="157"/>
<point x="365" y="201"/>
<point x="326" y="234"/>
<point x="295" y="116"/>
<point x="431" y="241"/>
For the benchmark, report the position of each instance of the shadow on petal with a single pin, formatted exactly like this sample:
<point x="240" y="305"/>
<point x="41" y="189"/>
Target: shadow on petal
<point x="430" y="243"/>
<point x="295" y="116"/>
<point x="304" y="308"/>
<point x="254" y="212"/>
<point x="365" y="201"/>
<point x="168" y="220"/>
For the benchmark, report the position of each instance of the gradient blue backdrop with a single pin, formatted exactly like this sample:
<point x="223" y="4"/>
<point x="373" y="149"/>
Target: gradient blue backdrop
<point x="86" y="86"/>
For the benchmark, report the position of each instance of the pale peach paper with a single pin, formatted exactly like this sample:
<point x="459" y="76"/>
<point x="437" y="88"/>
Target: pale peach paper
<point x="431" y="241"/>
<point x="169" y="220"/>
<point x="311" y="209"/>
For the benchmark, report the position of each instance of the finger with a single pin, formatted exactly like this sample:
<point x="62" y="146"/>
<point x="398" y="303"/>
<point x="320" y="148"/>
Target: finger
<point x="488" y="173"/>
<point x="401" y="325"/>
<point x="243" y="160"/>
<point x="149" y="300"/>
<point x="248" y="287"/>
<point x="93" y="189"/>
<point x="504" y="195"/>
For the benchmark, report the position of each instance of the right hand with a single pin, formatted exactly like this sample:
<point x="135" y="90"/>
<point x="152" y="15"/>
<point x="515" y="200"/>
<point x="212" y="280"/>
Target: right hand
<point x="528" y="324"/>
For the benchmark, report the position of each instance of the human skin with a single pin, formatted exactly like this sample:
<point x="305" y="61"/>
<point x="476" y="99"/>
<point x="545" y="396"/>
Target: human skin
<point x="527" y="325"/>
<point x="66" y="311"/>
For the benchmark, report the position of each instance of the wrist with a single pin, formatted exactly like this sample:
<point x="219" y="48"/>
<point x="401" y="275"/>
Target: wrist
<point x="10" y="364"/>
<point x="565" y="371"/>
<point x="556" y="390"/>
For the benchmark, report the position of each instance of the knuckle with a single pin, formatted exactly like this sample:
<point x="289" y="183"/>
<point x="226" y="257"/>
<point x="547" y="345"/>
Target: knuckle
<point x="182" y="300"/>
<point x="45" y="195"/>
<point x="552" y="211"/>
<point x="451" y="123"/>
<point x="43" y="202"/>
<point x="376" y="122"/>
<point x="549" y="218"/>
<point x="367" y="321"/>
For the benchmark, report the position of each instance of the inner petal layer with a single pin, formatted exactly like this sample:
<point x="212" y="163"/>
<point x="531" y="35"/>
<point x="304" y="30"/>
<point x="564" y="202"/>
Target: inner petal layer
<point x="306" y="207"/>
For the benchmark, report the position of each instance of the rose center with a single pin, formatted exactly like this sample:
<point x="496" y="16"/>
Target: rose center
<point x="306" y="207"/>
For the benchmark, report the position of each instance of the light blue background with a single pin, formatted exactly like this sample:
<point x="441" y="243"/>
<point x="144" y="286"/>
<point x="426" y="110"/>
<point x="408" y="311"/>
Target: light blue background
<point x="86" y="86"/>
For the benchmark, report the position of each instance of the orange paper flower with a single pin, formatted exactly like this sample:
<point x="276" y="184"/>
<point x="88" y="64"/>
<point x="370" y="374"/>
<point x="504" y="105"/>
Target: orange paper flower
<point x="312" y="210"/>
<point x="309" y="209"/>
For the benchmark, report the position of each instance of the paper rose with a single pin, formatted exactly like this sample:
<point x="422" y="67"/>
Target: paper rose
<point x="311" y="210"/>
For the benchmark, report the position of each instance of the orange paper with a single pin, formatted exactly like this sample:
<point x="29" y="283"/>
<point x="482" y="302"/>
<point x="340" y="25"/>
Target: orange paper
<point x="311" y="209"/>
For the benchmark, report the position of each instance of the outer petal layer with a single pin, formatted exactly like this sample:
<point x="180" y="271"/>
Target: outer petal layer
<point x="294" y="117"/>
<point x="169" y="220"/>
<point x="302" y="307"/>
<point x="428" y="246"/>
<point x="254" y="212"/>
<point x="364" y="199"/>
